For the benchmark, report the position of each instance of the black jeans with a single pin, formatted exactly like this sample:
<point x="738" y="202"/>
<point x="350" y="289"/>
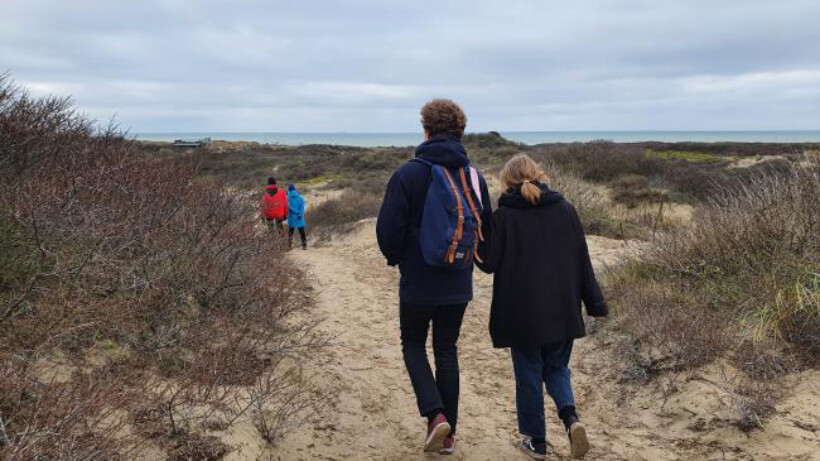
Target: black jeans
<point x="440" y="392"/>
<point x="301" y="236"/>
<point x="275" y="224"/>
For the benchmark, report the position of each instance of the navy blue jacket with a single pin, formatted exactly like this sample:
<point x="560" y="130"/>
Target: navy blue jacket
<point x="400" y="219"/>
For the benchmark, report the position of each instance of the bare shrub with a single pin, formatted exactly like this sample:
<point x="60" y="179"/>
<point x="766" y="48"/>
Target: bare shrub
<point x="593" y="205"/>
<point x="744" y="274"/>
<point x="149" y="285"/>
<point x="601" y="161"/>
<point x="340" y="213"/>
<point x="755" y="401"/>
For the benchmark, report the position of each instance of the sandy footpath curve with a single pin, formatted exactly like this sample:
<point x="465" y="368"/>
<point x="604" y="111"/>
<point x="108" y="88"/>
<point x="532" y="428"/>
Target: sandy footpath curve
<point x="373" y="414"/>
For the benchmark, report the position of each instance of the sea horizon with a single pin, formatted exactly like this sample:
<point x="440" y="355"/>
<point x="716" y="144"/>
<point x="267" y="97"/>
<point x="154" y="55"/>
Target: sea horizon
<point x="403" y="139"/>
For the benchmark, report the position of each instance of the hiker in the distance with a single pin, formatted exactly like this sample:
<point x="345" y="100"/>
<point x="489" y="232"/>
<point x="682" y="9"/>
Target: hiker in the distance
<point x="296" y="216"/>
<point x="537" y="250"/>
<point x="429" y="225"/>
<point x="274" y="207"/>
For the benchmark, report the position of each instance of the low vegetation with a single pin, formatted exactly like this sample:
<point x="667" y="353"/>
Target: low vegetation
<point x="140" y="307"/>
<point x="743" y="282"/>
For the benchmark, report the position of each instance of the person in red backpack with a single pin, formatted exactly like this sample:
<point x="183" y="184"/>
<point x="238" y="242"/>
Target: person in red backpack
<point x="274" y="206"/>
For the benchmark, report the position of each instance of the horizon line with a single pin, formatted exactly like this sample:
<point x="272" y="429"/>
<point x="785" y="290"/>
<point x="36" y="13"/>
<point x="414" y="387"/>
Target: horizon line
<point x="485" y="132"/>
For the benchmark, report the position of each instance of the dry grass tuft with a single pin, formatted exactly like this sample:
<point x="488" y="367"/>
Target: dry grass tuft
<point x="742" y="282"/>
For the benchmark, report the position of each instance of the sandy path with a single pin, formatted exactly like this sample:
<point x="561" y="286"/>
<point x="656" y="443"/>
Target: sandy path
<point x="374" y="417"/>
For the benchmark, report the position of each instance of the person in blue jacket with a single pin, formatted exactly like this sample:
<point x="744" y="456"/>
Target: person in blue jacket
<point x="429" y="294"/>
<point x="296" y="216"/>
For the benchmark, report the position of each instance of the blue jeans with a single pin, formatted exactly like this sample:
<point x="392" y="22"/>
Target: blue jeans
<point x="535" y="367"/>
<point x="439" y="392"/>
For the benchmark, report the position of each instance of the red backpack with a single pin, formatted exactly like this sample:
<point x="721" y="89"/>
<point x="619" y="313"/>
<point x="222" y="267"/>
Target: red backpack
<point x="275" y="203"/>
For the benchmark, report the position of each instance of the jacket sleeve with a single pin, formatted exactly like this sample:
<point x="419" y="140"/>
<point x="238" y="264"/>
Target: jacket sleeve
<point x="591" y="292"/>
<point x="393" y="222"/>
<point x="302" y="208"/>
<point x="491" y="250"/>
<point x="487" y="210"/>
<point x="487" y="227"/>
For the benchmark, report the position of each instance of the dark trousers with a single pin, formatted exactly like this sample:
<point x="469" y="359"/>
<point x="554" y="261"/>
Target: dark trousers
<point x="301" y="236"/>
<point x="439" y="392"/>
<point x="275" y="224"/>
<point x="535" y="367"/>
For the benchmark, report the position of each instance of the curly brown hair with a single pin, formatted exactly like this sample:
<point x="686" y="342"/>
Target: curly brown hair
<point x="443" y="116"/>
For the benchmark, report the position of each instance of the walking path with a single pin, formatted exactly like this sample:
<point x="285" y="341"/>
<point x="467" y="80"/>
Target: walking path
<point x="373" y="414"/>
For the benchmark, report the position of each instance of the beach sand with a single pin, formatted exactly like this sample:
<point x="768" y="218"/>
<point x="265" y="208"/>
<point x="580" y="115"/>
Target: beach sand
<point x="372" y="415"/>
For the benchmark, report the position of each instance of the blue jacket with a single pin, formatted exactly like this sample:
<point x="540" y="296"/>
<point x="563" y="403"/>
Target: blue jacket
<point x="400" y="219"/>
<point x="296" y="209"/>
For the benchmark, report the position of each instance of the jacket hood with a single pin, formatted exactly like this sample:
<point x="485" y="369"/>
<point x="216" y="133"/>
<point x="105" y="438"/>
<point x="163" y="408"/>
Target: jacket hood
<point x="272" y="189"/>
<point x="512" y="197"/>
<point x="294" y="193"/>
<point x="444" y="150"/>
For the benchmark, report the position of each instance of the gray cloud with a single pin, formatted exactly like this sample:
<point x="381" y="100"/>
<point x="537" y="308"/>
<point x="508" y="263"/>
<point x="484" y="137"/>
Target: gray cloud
<point x="367" y="65"/>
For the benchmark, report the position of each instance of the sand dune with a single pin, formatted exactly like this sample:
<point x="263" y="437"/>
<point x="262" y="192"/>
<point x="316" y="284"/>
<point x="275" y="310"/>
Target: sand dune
<point x="373" y="414"/>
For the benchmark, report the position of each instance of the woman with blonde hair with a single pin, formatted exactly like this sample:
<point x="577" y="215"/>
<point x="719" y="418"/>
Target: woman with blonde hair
<point x="538" y="253"/>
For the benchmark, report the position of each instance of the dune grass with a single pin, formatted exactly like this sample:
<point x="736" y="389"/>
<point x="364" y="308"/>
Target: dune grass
<point x="689" y="156"/>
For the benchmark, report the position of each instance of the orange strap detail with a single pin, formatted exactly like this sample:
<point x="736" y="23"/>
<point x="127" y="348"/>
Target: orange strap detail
<point x="470" y="201"/>
<point x="451" y="253"/>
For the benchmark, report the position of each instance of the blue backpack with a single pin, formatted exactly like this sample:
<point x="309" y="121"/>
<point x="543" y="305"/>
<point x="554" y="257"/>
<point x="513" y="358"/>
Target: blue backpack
<point x="451" y="222"/>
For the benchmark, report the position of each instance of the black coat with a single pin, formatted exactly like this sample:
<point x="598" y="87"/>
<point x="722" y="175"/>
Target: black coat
<point x="542" y="269"/>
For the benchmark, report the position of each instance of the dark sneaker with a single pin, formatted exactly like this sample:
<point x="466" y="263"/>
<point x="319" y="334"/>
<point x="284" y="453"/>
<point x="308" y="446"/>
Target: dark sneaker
<point x="533" y="450"/>
<point x="578" y="439"/>
<point x="449" y="445"/>
<point x="437" y="431"/>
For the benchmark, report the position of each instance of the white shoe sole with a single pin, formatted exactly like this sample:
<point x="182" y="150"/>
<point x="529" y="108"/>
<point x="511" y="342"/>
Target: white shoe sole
<point x="435" y="441"/>
<point x="527" y="452"/>
<point x="578" y="440"/>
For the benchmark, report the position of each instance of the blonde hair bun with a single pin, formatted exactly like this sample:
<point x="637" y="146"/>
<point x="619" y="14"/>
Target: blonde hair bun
<point x="523" y="170"/>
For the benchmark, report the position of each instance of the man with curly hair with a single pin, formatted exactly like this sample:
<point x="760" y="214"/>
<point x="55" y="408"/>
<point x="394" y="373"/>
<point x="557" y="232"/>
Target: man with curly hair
<point x="430" y="294"/>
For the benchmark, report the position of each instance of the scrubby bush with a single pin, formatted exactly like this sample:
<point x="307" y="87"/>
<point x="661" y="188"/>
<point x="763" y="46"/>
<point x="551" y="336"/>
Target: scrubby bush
<point x="126" y="283"/>
<point x="745" y="273"/>
<point x="338" y="214"/>
<point x="593" y="205"/>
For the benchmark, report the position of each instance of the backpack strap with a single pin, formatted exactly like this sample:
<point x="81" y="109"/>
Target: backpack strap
<point x="450" y="257"/>
<point x="474" y="210"/>
<point x="470" y="201"/>
<point x="476" y="185"/>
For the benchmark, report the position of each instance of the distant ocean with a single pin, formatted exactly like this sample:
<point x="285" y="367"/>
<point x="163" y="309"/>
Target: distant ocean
<point x="527" y="137"/>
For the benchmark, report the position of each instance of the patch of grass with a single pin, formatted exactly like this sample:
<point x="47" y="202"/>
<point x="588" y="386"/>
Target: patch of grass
<point x="338" y="214"/>
<point x="594" y="207"/>
<point x="323" y="178"/>
<point x="689" y="156"/>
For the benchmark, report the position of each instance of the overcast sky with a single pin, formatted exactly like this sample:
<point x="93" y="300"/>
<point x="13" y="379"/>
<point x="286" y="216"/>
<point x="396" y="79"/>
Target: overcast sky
<point x="368" y="65"/>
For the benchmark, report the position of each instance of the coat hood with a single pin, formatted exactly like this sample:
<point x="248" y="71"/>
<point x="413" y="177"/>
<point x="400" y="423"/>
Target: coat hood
<point x="444" y="150"/>
<point x="294" y="193"/>
<point x="512" y="197"/>
<point x="272" y="189"/>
